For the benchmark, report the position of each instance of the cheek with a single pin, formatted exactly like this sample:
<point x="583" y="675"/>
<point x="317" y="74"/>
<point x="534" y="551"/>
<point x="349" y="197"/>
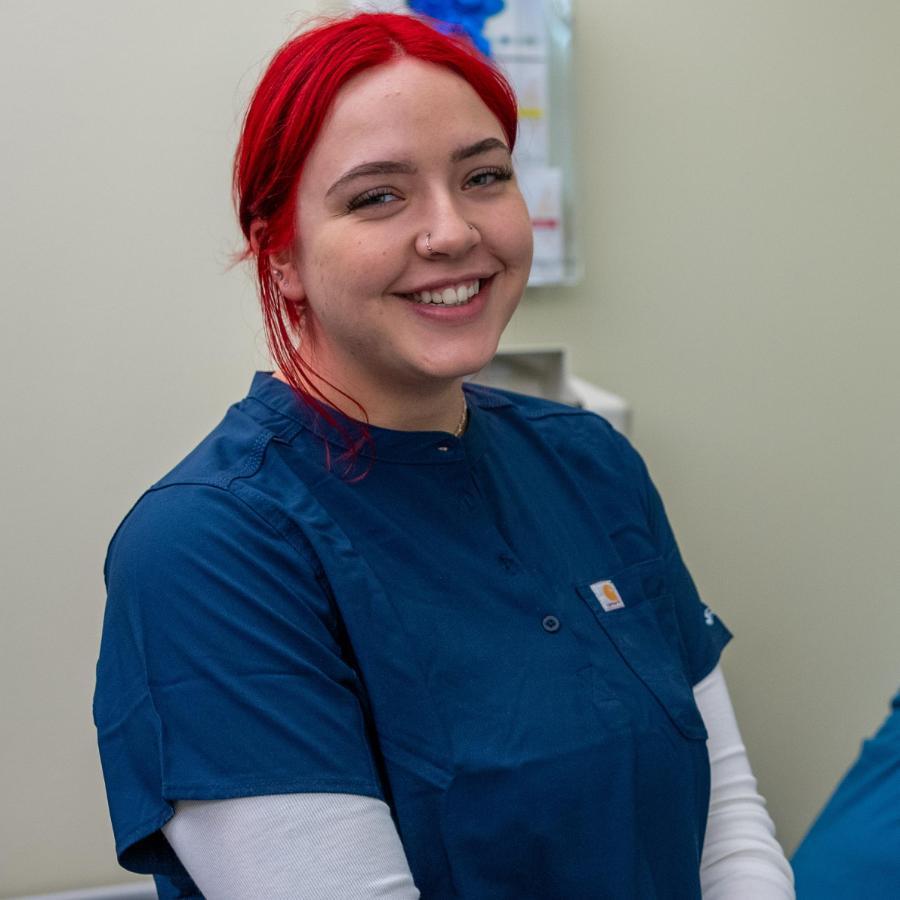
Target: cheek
<point x="360" y="265"/>
<point x="330" y="269"/>
<point x="527" y="243"/>
<point x="517" y="236"/>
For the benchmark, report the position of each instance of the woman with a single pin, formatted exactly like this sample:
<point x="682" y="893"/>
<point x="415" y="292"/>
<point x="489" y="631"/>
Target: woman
<point x="383" y="634"/>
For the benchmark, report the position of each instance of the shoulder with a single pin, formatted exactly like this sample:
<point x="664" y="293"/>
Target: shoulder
<point x="194" y="500"/>
<point x="205" y="495"/>
<point x="191" y="556"/>
<point x="234" y="449"/>
<point x="559" y="417"/>
<point x="525" y="405"/>
<point x="206" y="509"/>
<point x="583" y="437"/>
<point x="174" y="515"/>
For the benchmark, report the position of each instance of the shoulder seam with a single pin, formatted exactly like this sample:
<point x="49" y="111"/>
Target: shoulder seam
<point x="244" y="469"/>
<point x="562" y="410"/>
<point x="497" y="398"/>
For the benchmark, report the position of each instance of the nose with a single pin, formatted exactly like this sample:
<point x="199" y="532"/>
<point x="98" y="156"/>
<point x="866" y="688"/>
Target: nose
<point x="446" y="232"/>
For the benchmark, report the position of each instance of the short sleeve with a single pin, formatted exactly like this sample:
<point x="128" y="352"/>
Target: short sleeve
<point x="703" y="634"/>
<point x="221" y="672"/>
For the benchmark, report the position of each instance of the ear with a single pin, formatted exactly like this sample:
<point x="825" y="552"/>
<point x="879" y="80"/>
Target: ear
<point x="282" y="264"/>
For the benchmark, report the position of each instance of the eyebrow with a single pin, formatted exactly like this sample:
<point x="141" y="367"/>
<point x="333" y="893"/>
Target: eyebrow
<point x="477" y="149"/>
<point x="403" y="167"/>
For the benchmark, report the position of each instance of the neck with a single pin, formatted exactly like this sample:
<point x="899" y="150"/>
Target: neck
<point x="439" y="407"/>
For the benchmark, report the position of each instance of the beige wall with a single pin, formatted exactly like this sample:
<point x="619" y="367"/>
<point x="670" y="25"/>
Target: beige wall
<point x="740" y="192"/>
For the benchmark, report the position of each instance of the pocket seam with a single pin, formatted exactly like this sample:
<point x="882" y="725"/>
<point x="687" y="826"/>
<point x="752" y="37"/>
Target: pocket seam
<point x="666" y="680"/>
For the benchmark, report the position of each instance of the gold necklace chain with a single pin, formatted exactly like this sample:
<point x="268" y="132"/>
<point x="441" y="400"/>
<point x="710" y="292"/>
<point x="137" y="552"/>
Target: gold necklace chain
<point x="463" y="419"/>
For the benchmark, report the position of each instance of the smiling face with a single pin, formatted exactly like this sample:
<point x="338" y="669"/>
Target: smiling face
<point x="414" y="243"/>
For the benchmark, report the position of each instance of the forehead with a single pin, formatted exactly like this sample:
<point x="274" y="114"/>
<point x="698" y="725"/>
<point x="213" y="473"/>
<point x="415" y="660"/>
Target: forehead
<point x="399" y="108"/>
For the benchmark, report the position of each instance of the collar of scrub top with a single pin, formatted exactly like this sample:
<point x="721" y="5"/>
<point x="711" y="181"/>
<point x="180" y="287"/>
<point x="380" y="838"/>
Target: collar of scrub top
<point x="414" y="447"/>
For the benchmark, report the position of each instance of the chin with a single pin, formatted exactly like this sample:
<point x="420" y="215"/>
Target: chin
<point x="460" y="365"/>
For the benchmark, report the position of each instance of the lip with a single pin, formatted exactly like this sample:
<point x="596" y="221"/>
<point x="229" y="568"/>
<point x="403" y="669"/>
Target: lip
<point x="453" y="314"/>
<point x="448" y="281"/>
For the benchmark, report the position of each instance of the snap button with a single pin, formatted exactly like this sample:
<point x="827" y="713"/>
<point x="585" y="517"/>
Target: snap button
<point x="551" y="624"/>
<point x="443" y="447"/>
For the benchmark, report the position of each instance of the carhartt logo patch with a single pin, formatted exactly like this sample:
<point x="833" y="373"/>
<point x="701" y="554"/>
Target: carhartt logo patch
<point x="609" y="597"/>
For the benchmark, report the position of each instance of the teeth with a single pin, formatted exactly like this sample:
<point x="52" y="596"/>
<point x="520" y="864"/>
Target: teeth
<point x="449" y="296"/>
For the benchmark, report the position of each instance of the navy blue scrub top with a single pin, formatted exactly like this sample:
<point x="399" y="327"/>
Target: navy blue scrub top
<point x="852" y="851"/>
<point x="495" y="634"/>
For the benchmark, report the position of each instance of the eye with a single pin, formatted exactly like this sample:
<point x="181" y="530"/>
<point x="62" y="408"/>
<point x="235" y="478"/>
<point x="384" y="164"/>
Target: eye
<point x="489" y="175"/>
<point x="375" y="197"/>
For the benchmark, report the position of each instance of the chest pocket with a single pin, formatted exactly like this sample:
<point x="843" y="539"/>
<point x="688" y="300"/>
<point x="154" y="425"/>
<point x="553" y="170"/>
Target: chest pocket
<point x="631" y="605"/>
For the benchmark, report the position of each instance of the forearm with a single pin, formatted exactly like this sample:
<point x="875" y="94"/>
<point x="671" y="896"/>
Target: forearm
<point x="316" y="846"/>
<point x="742" y="860"/>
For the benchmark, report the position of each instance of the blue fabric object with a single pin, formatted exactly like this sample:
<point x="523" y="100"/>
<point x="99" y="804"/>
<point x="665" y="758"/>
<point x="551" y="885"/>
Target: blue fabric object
<point x="461" y="17"/>
<point x="852" y="851"/>
<point x="495" y="634"/>
<point x="176" y="887"/>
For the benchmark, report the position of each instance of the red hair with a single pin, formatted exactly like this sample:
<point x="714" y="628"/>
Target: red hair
<point x="283" y="121"/>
